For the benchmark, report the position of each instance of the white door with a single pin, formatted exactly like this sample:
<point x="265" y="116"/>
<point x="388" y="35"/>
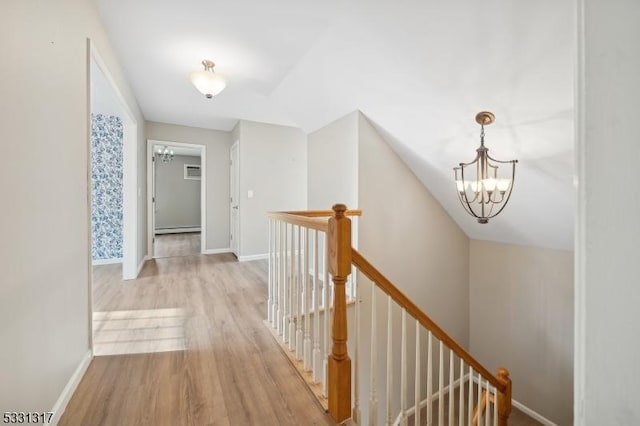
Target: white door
<point x="235" y="201"/>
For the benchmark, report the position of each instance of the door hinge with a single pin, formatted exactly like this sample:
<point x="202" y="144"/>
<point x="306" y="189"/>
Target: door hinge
<point x="153" y="199"/>
<point x="231" y="162"/>
<point x="153" y="158"/>
<point x="231" y="236"/>
<point x="153" y="239"/>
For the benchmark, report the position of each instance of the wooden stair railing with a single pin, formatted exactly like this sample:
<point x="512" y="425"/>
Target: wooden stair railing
<point x="294" y="287"/>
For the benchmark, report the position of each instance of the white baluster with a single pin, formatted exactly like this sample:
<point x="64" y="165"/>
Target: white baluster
<point x="461" y="395"/>
<point x="270" y="282"/>
<point x="287" y="284"/>
<point x="274" y="285"/>
<point x="416" y="401"/>
<point x="317" y="355"/>
<point x="451" y="388"/>
<point x="470" y="403"/>
<point x="495" y="406"/>
<point x="306" y="300"/>
<point x="356" y="360"/>
<point x="299" y="298"/>
<point x="440" y="387"/>
<point x="292" y="291"/>
<point x="403" y="369"/>
<point x="327" y="307"/>
<point x="429" y="379"/>
<point x="488" y="409"/>
<point x="479" y="399"/>
<point x="389" y="362"/>
<point x="373" y="373"/>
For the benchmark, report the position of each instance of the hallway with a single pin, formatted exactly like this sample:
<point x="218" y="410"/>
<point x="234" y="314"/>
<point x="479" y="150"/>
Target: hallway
<point x="231" y="370"/>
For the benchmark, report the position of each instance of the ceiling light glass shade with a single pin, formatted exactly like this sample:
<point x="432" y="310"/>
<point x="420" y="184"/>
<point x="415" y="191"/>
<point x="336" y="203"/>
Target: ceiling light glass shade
<point x="483" y="187"/>
<point x="208" y="82"/>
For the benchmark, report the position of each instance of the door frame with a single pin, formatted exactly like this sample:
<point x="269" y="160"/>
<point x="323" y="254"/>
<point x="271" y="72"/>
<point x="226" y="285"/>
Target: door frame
<point x="150" y="193"/>
<point x="130" y="267"/>
<point x="234" y="175"/>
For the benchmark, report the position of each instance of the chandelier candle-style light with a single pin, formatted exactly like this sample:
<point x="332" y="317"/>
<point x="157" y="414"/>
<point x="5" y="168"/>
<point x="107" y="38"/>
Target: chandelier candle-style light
<point x="165" y="154"/>
<point x="483" y="190"/>
<point x="208" y="82"/>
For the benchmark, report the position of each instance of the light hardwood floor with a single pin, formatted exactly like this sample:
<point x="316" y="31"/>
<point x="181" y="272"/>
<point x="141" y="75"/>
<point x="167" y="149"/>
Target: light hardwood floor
<point x="192" y="349"/>
<point x="183" y="244"/>
<point x="231" y="371"/>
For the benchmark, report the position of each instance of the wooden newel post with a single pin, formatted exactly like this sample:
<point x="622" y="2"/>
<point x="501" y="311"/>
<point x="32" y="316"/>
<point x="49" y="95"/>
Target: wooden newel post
<point x="504" y="398"/>
<point x="339" y="363"/>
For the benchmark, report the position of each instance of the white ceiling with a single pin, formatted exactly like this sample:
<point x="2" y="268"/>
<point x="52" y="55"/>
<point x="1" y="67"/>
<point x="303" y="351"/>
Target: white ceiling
<point x="420" y="71"/>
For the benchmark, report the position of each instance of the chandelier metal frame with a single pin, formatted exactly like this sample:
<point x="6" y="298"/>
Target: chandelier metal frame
<point x="480" y="196"/>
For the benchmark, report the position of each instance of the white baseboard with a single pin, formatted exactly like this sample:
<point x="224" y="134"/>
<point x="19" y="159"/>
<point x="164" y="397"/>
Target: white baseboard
<point x="177" y="230"/>
<point x="217" y="251"/>
<point x="529" y="412"/>
<point x="72" y="384"/>
<point x="253" y="257"/>
<point x="106" y="261"/>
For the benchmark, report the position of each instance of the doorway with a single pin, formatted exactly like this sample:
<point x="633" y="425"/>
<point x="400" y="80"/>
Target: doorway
<point x="234" y="205"/>
<point x="176" y="190"/>
<point x="112" y="172"/>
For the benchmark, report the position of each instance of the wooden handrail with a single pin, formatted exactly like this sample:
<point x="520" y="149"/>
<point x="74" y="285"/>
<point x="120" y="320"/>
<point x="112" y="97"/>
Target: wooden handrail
<point x="310" y="219"/>
<point x="315" y="213"/>
<point x="296" y="219"/>
<point x="385" y="285"/>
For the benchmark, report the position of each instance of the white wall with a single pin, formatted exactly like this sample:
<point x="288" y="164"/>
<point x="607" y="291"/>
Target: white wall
<point x="522" y="319"/>
<point x="218" y="144"/>
<point x="333" y="164"/>
<point x="403" y="231"/>
<point x="407" y="234"/>
<point x="44" y="309"/>
<point x="608" y="234"/>
<point x="177" y="198"/>
<point x="273" y="164"/>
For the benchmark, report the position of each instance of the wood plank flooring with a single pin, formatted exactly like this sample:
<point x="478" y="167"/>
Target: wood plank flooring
<point x="183" y="244"/>
<point x="231" y="371"/>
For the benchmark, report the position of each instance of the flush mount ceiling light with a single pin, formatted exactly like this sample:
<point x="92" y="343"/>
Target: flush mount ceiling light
<point x="481" y="187"/>
<point x="208" y="82"/>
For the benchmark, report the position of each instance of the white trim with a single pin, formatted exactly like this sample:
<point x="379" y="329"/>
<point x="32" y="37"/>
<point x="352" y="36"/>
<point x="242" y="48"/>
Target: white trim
<point x="580" y="233"/>
<point x="141" y="264"/>
<point x="234" y="176"/>
<point x="129" y="168"/>
<point x="111" y="261"/>
<point x="177" y="230"/>
<point x="203" y="191"/>
<point x="72" y="384"/>
<point x="529" y="412"/>
<point x="253" y="257"/>
<point x="217" y="251"/>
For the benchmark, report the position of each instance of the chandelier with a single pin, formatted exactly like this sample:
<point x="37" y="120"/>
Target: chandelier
<point x="483" y="190"/>
<point x="208" y="82"/>
<point x="165" y="154"/>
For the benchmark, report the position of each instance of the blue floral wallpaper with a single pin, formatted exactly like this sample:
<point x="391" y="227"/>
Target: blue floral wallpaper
<point x="106" y="186"/>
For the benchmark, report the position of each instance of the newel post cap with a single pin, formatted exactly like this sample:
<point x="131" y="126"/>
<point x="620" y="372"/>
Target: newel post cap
<point x="339" y="209"/>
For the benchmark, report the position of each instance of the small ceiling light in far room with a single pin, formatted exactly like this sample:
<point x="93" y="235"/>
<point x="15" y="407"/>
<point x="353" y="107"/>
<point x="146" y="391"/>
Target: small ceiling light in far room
<point x="480" y="185"/>
<point x="165" y="154"/>
<point x="208" y="82"/>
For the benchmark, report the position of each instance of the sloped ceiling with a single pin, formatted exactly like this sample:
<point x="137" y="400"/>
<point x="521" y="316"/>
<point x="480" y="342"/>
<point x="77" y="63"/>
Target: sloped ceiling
<point x="419" y="70"/>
